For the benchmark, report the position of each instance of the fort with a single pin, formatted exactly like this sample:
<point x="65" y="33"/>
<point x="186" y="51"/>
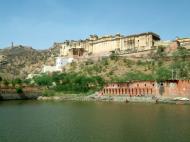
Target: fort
<point x="104" y="45"/>
<point x="99" y="46"/>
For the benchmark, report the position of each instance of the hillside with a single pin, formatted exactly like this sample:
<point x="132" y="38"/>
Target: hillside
<point x="157" y="66"/>
<point x="19" y="61"/>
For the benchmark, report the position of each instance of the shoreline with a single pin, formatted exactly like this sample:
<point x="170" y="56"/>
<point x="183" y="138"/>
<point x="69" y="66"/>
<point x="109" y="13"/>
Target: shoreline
<point x="92" y="98"/>
<point x="119" y="99"/>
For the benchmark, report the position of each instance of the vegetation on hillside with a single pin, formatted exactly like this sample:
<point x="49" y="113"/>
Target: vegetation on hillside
<point x="158" y="67"/>
<point x="90" y="76"/>
<point x="70" y="82"/>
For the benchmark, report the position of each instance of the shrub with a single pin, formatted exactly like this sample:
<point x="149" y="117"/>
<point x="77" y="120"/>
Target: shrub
<point x="19" y="90"/>
<point x="43" y="80"/>
<point x="163" y="74"/>
<point x="114" y="57"/>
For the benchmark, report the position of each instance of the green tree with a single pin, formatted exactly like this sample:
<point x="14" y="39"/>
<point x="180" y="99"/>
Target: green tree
<point x="19" y="90"/>
<point x="163" y="74"/>
<point x="43" y="80"/>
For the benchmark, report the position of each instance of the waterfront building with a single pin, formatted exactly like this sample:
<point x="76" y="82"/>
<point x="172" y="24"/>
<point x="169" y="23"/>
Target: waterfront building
<point x="170" y="88"/>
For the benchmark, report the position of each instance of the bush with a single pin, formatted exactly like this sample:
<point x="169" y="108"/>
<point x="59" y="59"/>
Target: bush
<point x="43" y="80"/>
<point x="19" y="90"/>
<point x="163" y="74"/>
<point x="114" y="57"/>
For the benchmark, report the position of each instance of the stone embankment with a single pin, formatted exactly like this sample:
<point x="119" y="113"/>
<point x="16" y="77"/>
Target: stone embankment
<point x="122" y="99"/>
<point x="100" y="98"/>
<point x="16" y="96"/>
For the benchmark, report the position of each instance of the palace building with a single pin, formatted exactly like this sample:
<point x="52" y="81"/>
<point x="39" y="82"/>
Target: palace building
<point x="101" y="45"/>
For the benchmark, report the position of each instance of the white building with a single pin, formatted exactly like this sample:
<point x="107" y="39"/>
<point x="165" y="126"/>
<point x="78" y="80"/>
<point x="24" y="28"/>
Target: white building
<point x="60" y="63"/>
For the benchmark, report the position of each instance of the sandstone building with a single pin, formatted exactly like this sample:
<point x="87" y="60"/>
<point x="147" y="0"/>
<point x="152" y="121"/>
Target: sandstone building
<point x="184" y="42"/>
<point x="102" y="45"/>
<point x="172" y="88"/>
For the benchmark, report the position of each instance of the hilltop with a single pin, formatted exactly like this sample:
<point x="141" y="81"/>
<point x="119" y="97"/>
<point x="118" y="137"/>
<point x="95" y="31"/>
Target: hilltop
<point x="19" y="61"/>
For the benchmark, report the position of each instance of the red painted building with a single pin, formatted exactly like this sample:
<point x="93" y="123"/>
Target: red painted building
<point x="149" y="88"/>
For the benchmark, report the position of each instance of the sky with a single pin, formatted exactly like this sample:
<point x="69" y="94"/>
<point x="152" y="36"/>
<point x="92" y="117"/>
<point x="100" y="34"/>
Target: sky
<point x="40" y="23"/>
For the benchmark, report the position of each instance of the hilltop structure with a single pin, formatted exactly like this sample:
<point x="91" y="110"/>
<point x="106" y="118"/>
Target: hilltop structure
<point x="99" y="46"/>
<point x="132" y="45"/>
<point x="185" y="42"/>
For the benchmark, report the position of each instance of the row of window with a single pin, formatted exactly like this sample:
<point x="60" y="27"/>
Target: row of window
<point x="128" y="91"/>
<point x="137" y="85"/>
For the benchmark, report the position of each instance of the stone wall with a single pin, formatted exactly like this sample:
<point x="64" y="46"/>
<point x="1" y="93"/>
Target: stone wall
<point x="171" y="88"/>
<point x="9" y="93"/>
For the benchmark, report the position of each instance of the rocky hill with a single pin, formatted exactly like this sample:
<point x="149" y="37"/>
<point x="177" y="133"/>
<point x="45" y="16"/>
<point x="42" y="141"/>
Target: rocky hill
<point x="19" y="61"/>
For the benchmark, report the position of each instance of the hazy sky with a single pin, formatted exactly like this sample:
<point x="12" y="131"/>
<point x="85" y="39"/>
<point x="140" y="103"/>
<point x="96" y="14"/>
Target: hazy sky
<point x="39" y="23"/>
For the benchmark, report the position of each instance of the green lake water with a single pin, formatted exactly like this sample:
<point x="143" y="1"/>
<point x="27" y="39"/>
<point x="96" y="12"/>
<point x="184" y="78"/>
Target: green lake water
<point x="35" y="121"/>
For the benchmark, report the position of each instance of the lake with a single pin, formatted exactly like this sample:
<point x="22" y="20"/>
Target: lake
<point x="36" y="121"/>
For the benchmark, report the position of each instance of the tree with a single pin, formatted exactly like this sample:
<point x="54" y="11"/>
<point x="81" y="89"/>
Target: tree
<point x="43" y="80"/>
<point x="163" y="74"/>
<point x="19" y="90"/>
